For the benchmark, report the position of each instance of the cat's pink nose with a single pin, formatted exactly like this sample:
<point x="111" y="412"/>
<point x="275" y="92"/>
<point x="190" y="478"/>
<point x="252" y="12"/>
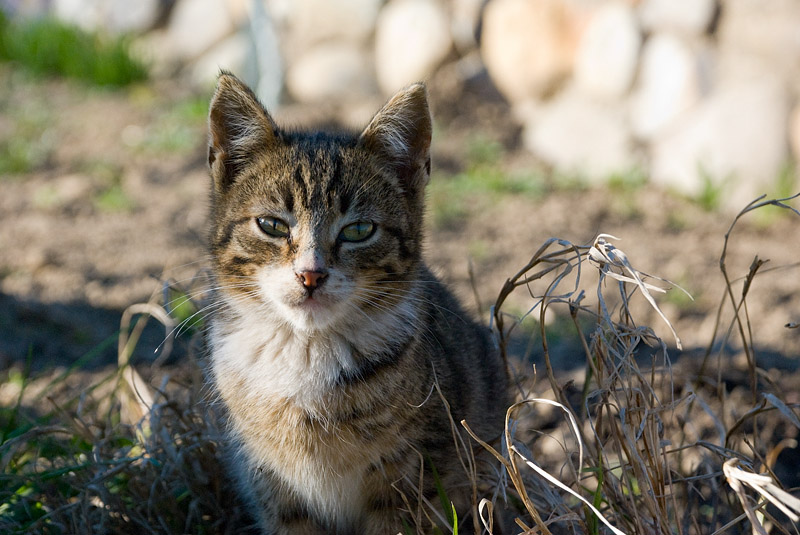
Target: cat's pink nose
<point x="312" y="279"/>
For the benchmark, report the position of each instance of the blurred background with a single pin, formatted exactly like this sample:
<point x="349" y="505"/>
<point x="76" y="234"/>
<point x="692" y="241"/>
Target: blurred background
<point x="653" y="120"/>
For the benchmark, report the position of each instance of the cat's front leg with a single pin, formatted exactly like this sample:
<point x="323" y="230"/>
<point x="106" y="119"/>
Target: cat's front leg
<point x="282" y="515"/>
<point x="276" y="509"/>
<point x="294" y="525"/>
<point x="382" y="514"/>
<point x="385" y="521"/>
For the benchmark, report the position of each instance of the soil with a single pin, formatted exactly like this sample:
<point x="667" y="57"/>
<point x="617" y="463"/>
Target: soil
<point x="114" y="202"/>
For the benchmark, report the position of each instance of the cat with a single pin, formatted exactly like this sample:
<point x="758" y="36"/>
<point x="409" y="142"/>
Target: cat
<point x="331" y="334"/>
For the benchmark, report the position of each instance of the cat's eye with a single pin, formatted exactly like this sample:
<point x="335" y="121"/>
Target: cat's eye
<point x="272" y="226"/>
<point x="358" y="231"/>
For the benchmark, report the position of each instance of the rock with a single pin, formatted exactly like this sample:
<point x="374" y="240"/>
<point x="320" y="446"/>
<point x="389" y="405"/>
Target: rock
<point x="692" y="17"/>
<point x="528" y="46"/>
<point x="126" y="16"/>
<point x="240" y="10"/>
<point x="577" y="134"/>
<point x="86" y="14"/>
<point x="736" y="139"/>
<point x="265" y="65"/>
<point x="330" y="71"/>
<point x="114" y="15"/>
<point x="311" y="22"/>
<point x="465" y="16"/>
<point x="668" y="85"/>
<point x="197" y="25"/>
<point x="736" y="67"/>
<point x="608" y="52"/>
<point x="229" y="54"/>
<point x="768" y="30"/>
<point x="412" y="37"/>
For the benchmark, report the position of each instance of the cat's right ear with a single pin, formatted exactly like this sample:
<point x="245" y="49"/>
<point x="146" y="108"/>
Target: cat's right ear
<point x="400" y="134"/>
<point x="238" y="127"/>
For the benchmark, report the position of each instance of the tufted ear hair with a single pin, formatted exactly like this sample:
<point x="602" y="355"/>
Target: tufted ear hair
<point x="400" y="135"/>
<point x="238" y="127"/>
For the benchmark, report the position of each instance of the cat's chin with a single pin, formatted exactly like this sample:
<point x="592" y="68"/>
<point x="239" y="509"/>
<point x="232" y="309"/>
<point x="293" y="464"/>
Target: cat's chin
<point x="310" y="314"/>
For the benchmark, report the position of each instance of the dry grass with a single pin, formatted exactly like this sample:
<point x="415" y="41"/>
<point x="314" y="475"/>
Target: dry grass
<point x="652" y="447"/>
<point x="117" y="457"/>
<point x="660" y="441"/>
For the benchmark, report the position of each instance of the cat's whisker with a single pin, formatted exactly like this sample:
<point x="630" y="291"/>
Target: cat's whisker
<point x="414" y="296"/>
<point x="170" y="306"/>
<point x="426" y="332"/>
<point x="181" y="327"/>
<point x="202" y="260"/>
<point x="375" y="304"/>
<point x="358" y="309"/>
<point x="184" y="296"/>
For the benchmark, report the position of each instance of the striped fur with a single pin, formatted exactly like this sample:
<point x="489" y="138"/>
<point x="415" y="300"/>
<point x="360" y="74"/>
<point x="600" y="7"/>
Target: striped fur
<point x="329" y="389"/>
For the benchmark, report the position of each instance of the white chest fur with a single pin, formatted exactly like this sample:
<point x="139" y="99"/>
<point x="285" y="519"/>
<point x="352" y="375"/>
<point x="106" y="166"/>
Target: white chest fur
<point x="271" y="361"/>
<point x="275" y="360"/>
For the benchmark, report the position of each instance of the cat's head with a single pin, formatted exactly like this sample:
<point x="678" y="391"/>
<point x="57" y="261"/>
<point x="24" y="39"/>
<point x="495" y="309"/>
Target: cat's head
<point x="315" y="227"/>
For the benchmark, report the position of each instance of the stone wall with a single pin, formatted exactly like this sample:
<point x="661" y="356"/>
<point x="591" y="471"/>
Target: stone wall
<point x="695" y="93"/>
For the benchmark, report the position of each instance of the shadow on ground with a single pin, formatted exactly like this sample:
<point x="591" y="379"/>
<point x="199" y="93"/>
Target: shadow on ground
<point x="49" y="335"/>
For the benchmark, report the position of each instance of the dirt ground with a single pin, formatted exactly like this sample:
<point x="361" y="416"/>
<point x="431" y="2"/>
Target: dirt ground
<point x="112" y="201"/>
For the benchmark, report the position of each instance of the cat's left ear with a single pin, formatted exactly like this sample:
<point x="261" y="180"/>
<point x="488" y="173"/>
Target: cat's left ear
<point x="239" y="128"/>
<point x="400" y="135"/>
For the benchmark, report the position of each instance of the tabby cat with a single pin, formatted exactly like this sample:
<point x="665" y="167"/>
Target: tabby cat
<point x="332" y="333"/>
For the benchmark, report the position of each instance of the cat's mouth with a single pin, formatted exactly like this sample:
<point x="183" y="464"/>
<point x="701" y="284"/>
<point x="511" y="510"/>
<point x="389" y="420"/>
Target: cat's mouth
<point x="305" y="310"/>
<point x="311" y="303"/>
<point x="314" y="311"/>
